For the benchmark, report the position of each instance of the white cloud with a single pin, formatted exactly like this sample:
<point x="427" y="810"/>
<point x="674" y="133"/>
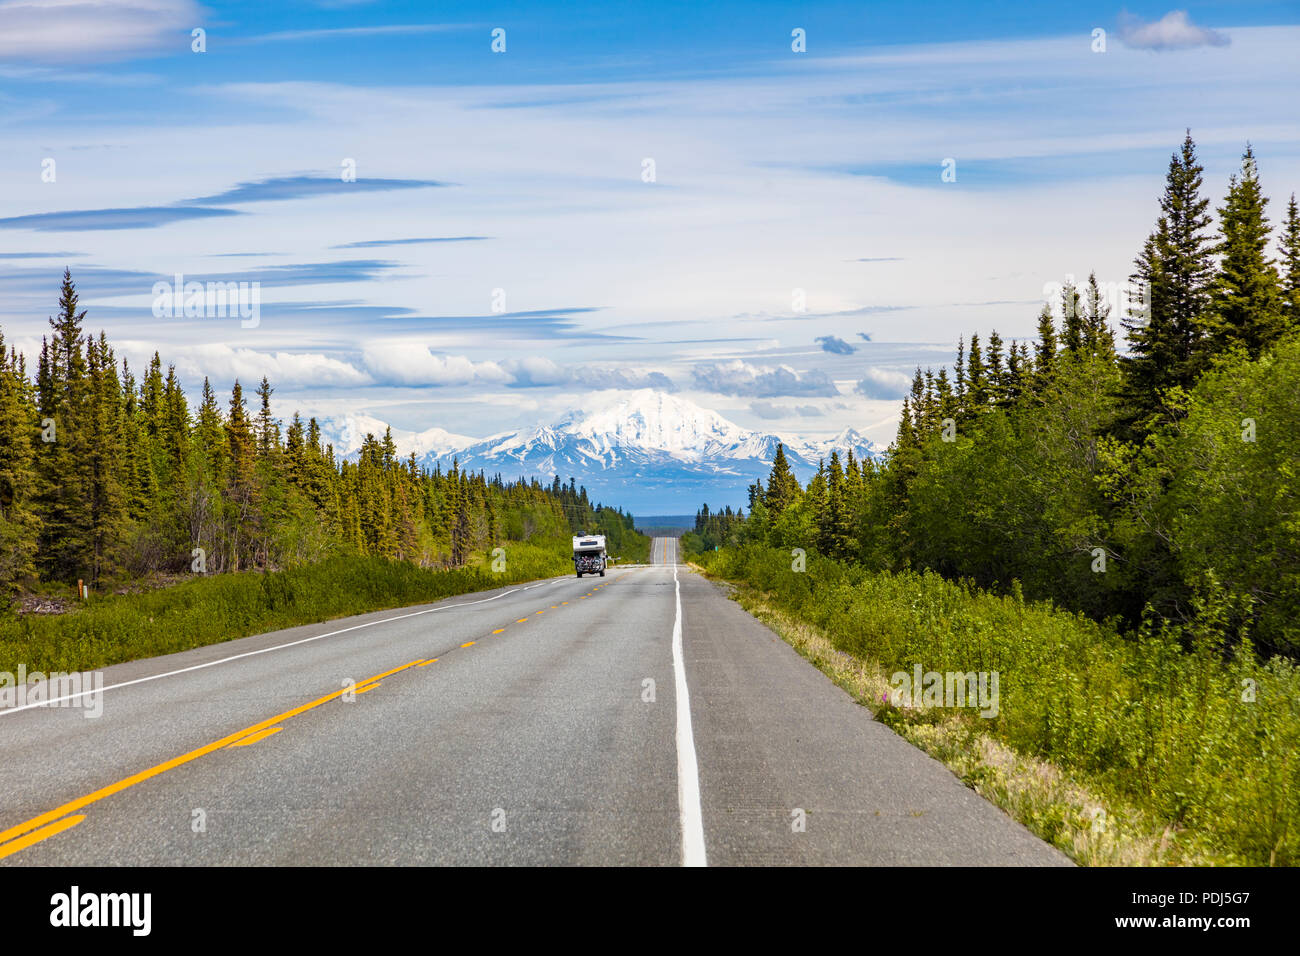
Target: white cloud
<point x="80" y="30"/>
<point x="405" y="29"/>
<point x="741" y="378"/>
<point x="538" y="370"/>
<point x="883" y="384"/>
<point x="223" y="364"/>
<point x="742" y="218"/>
<point x="1173" y="31"/>
<point x="408" y="363"/>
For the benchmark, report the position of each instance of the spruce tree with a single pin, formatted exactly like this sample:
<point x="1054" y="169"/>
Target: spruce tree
<point x="1289" y="264"/>
<point x="1098" y="338"/>
<point x="853" y="473"/>
<point x="1072" y="318"/>
<point x="1016" y="374"/>
<point x="210" y="437"/>
<point x="946" y="397"/>
<point x="906" y="439"/>
<point x="815" y="494"/>
<point x="101" y="465"/>
<point x="1245" y="304"/>
<point x="66" y="340"/>
<point x="19" y="520"/>
<point x="917" y="400"/>
<point x="834" y="528"/>
<point x="151" y="396"/>
<point x="977" y="384"/>
<point x="959" y="378"/>
<point x="268" y="429"/>
<point x="174" y="435"/>
<point x="62" y="462"/>
<point x="782" y="486"/>
<point x="1045" y="353"/>
<point x="1174" y="272"/>
<point x="138" y="473"/>
<point x="295" y="453"/>
<point x="45" y="378"/>
<point x="460" y="543"/>
<point x="997" y="373"/>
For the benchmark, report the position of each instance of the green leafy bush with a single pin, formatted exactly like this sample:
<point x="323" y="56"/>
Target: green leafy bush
<point x="211" y="609"/>
<point x="1207" y="738"/>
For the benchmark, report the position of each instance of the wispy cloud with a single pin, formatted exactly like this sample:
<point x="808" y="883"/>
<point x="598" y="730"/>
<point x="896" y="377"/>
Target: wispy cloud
<point x="136" y="217"/>
<point x="341" y="318"/>
<point x="803" y="316"/>
<point x="309" y="273"/>
<point x="538" y="325"/>
<point x="572" y="221"/>
<point x="377" y="243"/>
<point x="92" y="281"/>
<point x="208" y="207"/>
<point x="98" y="283"/>
<point x="62" y="74"/>
<point x="61" y="31"/>
<point x="1173" y="31"/>
<point x="304" y="187"/>
<point x="332" y="33"/>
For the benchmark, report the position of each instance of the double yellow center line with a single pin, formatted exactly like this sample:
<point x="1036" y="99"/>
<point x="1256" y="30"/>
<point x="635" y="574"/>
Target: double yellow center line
<point x="48" y="824"/>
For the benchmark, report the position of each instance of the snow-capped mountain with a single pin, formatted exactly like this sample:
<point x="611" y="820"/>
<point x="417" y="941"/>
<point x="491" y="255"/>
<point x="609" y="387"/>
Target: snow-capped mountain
<point x="848" y="440"/>
<point x="347" y="433"/>
<point x="624" y="428"/>
<point x="647" y="451"/>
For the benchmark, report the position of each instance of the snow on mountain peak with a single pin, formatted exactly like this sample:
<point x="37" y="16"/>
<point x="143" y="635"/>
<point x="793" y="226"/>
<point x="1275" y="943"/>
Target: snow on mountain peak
<point x="650" y="420"/>
<point x="633" y="447"/>
<point x="347" y="433"/>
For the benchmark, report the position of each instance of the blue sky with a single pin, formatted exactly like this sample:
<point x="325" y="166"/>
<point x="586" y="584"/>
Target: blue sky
<point x="500" y="254"/>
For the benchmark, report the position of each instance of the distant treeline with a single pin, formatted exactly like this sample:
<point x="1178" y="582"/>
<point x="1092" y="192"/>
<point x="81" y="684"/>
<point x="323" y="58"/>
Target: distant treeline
<point x="106" y="478"/>
<point x="1158" y="483"/>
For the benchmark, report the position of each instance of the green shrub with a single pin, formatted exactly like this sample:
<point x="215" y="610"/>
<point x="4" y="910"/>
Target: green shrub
<point x="1207" y="739"/>
<point x="208" y="610"/>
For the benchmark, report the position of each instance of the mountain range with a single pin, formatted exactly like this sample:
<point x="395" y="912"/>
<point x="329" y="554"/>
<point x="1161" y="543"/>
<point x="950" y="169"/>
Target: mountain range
<point x="646" y="451"/>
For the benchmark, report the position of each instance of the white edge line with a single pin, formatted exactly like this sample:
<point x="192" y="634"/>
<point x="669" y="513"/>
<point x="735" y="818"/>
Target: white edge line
<point x="264" y="650"/>
<point x="542" y="585"/>
<point x="688" y="772"/>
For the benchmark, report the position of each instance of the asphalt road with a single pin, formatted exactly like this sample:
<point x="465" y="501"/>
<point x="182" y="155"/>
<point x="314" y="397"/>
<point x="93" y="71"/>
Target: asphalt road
<point x="639" y="718"/>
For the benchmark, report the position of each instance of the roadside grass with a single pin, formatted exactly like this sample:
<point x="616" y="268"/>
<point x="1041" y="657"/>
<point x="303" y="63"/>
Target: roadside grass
<point x="210" y="609"/>
<point x="630" y="549"/>
<point x="1117" y="750"/>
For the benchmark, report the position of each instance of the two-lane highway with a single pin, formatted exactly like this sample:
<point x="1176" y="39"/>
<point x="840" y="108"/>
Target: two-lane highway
<point x="639" y="718"/>
<point x="663" y="551"/>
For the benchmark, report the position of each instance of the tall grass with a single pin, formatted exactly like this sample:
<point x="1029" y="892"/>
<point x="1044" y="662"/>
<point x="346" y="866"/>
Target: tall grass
<point x="207" y="610"/>
<point x="1206" y="740"/>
